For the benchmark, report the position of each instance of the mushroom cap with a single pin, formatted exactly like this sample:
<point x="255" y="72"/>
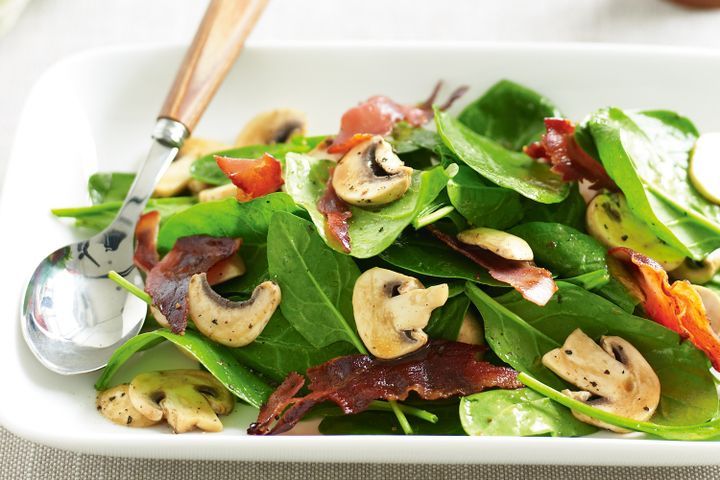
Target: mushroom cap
<point x="614" y="377"/>
<point x="115" y="405"/>
<point x="711" y="302"/>
<point x="234" y="324"/>
<point x="391" y="309"/>
<point x="471" y="330"/>
<point x="611" y="222"/>
<point x="371" y="174"/>
<point x="501" y="243"/>
<point x="185" y="398"/>
<point x="698" y="272"/>
<point x="274" y="126"/>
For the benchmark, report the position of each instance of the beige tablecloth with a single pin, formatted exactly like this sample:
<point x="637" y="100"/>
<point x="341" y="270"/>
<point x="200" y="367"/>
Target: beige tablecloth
<point x="52" y="29"/>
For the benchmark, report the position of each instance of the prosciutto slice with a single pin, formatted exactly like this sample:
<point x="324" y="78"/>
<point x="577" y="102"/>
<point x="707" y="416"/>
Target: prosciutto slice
<point x="254" y="178"/>
<point x="676" y="306"/>
<point x="337" y="215"/>
<point x="441" y="369"/>
<point x="146" y="232"/>
<point x="559" y="148"/>
<point x="535" y="284"/>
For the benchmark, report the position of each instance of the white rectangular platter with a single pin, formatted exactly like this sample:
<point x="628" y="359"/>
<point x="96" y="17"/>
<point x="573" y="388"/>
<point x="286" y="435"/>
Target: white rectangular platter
<point x="93" y="112"/>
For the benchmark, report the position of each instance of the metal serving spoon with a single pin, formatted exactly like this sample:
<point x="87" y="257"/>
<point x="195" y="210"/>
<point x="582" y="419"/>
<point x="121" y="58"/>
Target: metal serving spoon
<point x="73" y="317"/>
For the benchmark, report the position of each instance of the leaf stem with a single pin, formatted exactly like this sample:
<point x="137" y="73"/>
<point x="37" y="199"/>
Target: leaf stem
<point x="130" y="287"/>
<point x="415" y="412"/>
<point x="402" y="419"/>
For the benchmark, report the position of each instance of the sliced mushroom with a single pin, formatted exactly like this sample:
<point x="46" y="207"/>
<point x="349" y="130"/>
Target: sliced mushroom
<point x="225" y="270"/>
<point x="115" y="405"/>
<point x="614" y="377"/>
<point x="177" y="177"/>
<point x="234" y="324"/>
<point x="185" y="398"/>
<point x="501" y="243"/>
<point x="711" y="302"/>
<point x="698" y="272"/>
<point x="471" y="330"/>
<point x="611" y="222"/>
<point x="275" y="126"/>
<point x="371" y="174"/>
<point x="391" y="309"/>
<point x="218" y="193"/>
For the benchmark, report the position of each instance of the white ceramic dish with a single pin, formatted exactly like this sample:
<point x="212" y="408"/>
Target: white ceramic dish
<point x="94" y="111"/>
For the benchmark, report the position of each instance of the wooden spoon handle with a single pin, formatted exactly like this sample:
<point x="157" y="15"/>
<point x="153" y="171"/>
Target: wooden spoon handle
<point x="217" y="43"/>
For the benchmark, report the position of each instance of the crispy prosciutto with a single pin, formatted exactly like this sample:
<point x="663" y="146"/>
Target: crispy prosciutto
<point x="337" y="214"/>
<point x="379" y="114"/>
<point x="559" y="148"/>
<point x="535" y="284"/>
<point x="442" y="369"/>
<point x="167" y="282"/>
<point x="146" y="232"/>
<point x="677" y="306"/>
<point x="254" y="178"/>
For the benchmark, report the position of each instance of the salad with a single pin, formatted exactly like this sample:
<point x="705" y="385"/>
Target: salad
<point x="504" y="271"/>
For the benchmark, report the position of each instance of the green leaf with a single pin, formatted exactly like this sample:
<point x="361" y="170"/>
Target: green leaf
<point x="316" y="282"/>
<point x="280" y="350"/>
<point x="217" y="359"/>
<point x="518" y="413"/>
<point x="510" y="114"/>
<point x="562" y="249"/>
<point x="227" y="218"/>
<point x="638" y="152"/>
<point x="688" y="393"/>
<point x="109" y="187"/>
<point x="406" y="139"/>
<point x="206" y="170"/>
<point x="419" y="252"/>
<point x="508" y="169"/>
<point x="482" y="203"/>
<point x="591" y="280"/>
<point x="570" y="212"/>
<point x="97" y="217"/>
<point x="618" y="294"/>
<point x="256" y="272"/>
<point x="371" y="231"/>
<point x="445" y="322"/>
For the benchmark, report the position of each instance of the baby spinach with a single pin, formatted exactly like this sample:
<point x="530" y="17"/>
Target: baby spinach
<point x="227" y="218"/>
<point x="206" y="170"/>
<point x="570" y="211"/>
<point x="256" y="271"/>
<point x="316" y="282"/>
<point x="688" y="393"/>
<point x="591" y="280"/>
<point x="503" y="167"/>
<point x="510" y="114"/>
<point x="638" y="150"/>
<point x="109" y="187"/>
<point x="482" y="203"/>
<point x="445" y="322"/>
<point x="562" y="249"/>
<point x="406" y="139"/>
<point x="519" y="413"/>
<point x="618" y="294"/>
<point x="371" y="231"/>
<point x="419" y="252"/>
<point x="218" y="360"/>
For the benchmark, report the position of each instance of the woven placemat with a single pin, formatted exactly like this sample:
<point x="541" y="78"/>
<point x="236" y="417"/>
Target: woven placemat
<point x="22" y="459"/>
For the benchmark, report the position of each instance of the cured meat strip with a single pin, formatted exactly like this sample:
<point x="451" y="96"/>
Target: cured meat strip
<point x="254" y="178"/>
<point x="337" y="215"/>
<point x="146" y="232"/>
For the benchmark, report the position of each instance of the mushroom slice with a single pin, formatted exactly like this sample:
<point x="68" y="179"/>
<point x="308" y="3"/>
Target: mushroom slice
<point x="391" y="309"/>
<point x="218" y="193"/>
<point x="614" y="376"/>
<point x="500" y="243"/>
<point x="698" y="272"/>
<point x="711" y="302"/>
<point x="275" y="126"/>
<point x="234" y="324"/>
<point x="177" y="177"/>
<point x="224" y="270"/>
<point x="371" y="174"/>
<point x="471" y="330"/>
<point x="185" y="398"/>
<point x="115" y="405"/>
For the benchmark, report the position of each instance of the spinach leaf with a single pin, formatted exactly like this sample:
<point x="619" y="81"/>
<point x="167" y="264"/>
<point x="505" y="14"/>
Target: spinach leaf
<point x="570" y="211"/>
<point x="406" y="139"/>
<point x="109" y="187"/>
<point x="256" y="272"/>
<point x="591" y="280"/>
<point x="562" y="249"/>
<point x="510" y="114"/>
<point x="227" y="218"/>
<point x="97" y="217"/>
<point x="482" y="203"/>
<point x="508" y="169"/>
<point x="419" y="252"/>
<point x="218" y="360"/>
<point x="316" y="282"/>
<point x="618" y="294"/>
<point x="371" y="231"/>
<point x="688" y="393"/>
<point x="280" y="349"/>
<point x="518" y="413"/>
<point x="638" y="150"/>
<point x="445" y="322"/>
<point x="206" y="170"/>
